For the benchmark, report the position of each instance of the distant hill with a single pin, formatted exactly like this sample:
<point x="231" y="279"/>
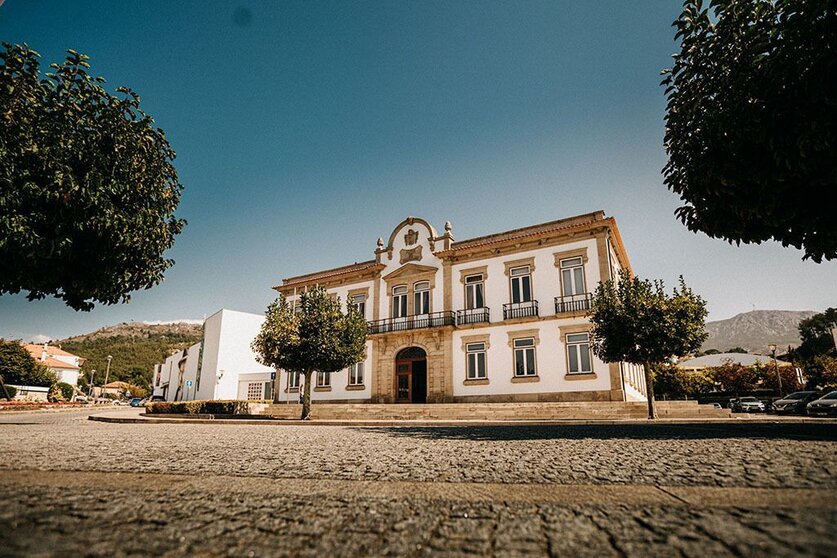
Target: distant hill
<point x="755" y="330"/>
<point x="136" y="347"/>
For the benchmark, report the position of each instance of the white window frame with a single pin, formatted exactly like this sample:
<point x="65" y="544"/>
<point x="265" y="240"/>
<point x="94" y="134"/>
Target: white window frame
<point x="524" y="348"/>
<point x="517" y="277"/>
<point x="399" y="301"/>
<point x="421" y="298"/>
<point x="293" y="380"/>
<point x="474" y="290"/>
<point x="356" y="372"/>
<point x="323" y="379"/>
<point x="577" y="344"/>
<point x="475" y="354"/>
<point x="359" y="302"/>
<point x="571" y="283"/>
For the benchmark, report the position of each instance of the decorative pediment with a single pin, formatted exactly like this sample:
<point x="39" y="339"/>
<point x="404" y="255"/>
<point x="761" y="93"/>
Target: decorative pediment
<point x="410" y="271"/>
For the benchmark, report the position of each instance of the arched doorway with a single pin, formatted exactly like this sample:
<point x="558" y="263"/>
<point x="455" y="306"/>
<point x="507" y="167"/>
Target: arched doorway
<point x="411" y="375"/>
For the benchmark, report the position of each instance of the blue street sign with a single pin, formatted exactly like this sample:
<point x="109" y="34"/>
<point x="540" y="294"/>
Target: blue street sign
<point x="188" y="383"/>
<point x="273" y="375"/>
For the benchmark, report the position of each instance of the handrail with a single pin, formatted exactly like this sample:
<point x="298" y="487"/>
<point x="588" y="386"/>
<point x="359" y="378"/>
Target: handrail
<point x="473" y="316"/>
<point x="418" y="321"/>
<point x="512" y="310"/>
<point x="573" y="303"/>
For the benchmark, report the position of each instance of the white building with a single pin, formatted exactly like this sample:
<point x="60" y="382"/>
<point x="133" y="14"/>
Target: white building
<point x="66" y="366"/>
<point x="222" y="366"/>
<point x="494" y="318"/>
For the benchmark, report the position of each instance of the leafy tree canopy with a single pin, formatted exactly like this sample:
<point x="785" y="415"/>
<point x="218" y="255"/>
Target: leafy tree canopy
<point x="751" y="123"/>
<point x="634" y="320"/>
<point x="18" y="367"/>
<point x="87" y="187"/>
<point x="315" y="335"/>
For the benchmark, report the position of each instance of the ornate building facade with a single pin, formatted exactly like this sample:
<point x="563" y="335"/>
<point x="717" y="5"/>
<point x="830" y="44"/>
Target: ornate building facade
<point x="491" y="319"/>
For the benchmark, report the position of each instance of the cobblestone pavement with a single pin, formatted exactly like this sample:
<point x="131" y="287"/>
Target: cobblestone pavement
<point x="152" y="514"/>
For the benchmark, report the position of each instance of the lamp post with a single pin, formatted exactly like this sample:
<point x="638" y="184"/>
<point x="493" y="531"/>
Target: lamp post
<point x="107" y="372"/>
<point x="772" y="348"/>
<point x="92" y="375"/>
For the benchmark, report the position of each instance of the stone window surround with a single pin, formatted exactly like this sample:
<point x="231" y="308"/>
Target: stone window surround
<point x="522" y="262"/>
<point x="570" y="329"/>
<point x="567" y="255"/>
<point x="525" y="334"/>
<point x="466" y="340"/>
<point x="410" y="280"/>
<point x="465" y="273"/>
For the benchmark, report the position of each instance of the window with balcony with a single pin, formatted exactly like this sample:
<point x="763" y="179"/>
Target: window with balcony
<point x="572" y="277"/>
<point x="356" y="374"/>
<point x="579" y="360"/>
<point x="399" y="301"/>
<point x="521" y="284"/>
<point x="524" y="357"/>
<point x="421" y="298"/>
<point x="474" y="292"/>
<point x="475" y="359"/>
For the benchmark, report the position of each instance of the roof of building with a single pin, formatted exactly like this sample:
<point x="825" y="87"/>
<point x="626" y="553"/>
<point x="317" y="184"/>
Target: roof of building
<point x="117" y="385"/>
<point x="55" y="363"/>
<point x="472" y="243"/>
<point x="51" y="349"/>
<point x="713" y="361"/>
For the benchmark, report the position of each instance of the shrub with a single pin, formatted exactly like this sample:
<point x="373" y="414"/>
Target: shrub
<point x="12" y="391"/>
<point x="67" y="390"/>
<point x="199" y="407"/>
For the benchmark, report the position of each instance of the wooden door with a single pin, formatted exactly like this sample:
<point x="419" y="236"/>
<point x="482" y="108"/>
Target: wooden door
<point x="403" y="382"/>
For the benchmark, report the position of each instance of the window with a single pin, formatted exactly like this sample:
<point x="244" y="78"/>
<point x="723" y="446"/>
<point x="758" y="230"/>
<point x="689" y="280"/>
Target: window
<point x="474" y="292"/>
<point x="293" y="380"/>
<point x="359" y="302"/>
<point x="572" y="277"/>
<point x="399" y="301"/>
<point x="521" y="284"/>
<point x="268" y="390"/>
<point x="475" y="355"/>
<point x="578" y="353"/>
<point x="323" y="379"/>
<point x="255" y="390"/>
<point x="524" y="357"/>
<point x="356" y="374"/>
<point x="421" y="294"/>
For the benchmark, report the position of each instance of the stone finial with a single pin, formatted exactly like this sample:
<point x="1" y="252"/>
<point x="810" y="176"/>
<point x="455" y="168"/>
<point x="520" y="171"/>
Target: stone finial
<point x="448" y="227"/>
<point x="380" y="243"/>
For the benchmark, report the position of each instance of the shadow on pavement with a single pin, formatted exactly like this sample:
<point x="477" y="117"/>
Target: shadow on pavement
<point x="667" y="431"/>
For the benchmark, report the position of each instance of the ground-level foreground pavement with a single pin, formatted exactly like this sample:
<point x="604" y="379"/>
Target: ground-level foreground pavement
<point x="71" y="486"/>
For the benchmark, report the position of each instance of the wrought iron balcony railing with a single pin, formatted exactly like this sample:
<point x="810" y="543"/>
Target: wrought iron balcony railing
<point x="473" y="316"/>
<point x="573" y="303"/>
<point x="520" y="309"/>
<point x="434" y="319"/>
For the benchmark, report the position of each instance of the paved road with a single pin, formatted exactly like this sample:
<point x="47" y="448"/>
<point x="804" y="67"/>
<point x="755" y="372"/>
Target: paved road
<point x="74" y="486"/>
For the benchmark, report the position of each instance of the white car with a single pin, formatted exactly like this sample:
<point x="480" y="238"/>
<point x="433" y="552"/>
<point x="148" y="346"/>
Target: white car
<point x="751" y="405"/>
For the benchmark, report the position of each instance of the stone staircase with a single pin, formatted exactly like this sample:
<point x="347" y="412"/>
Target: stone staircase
<point x="587" y="410"/>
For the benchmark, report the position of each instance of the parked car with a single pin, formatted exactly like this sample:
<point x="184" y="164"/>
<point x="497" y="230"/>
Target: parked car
<point x="794" y="403"/>
<point x="824" y="406"/>
<point x="747" y="405"/>
<point x="717" y="406"/>
<point x="120" y="402"/>
<point x="80" y="399"/>
<point x="136" y="402"/>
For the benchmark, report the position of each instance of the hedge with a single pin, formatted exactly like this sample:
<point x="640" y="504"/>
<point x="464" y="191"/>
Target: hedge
<point x="12" y="392"/>
<point x="200" y="407"/>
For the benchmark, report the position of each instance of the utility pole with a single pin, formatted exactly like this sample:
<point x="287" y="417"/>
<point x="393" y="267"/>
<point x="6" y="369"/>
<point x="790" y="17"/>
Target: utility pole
<point x="107" y="371"/>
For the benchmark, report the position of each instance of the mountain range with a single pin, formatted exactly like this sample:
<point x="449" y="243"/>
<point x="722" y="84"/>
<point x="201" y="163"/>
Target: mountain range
<point x="755" y="330"/>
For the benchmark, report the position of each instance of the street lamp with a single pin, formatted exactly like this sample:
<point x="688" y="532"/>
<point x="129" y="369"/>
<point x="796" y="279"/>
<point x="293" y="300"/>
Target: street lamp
<point x="772" y="348"/>
<point x="92" y="375"/>
<point x="107" y="371"/>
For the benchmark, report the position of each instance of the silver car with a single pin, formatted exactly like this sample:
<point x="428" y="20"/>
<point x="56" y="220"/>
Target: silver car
<point x="824" y="406"/>
<point x="751" y="405"/>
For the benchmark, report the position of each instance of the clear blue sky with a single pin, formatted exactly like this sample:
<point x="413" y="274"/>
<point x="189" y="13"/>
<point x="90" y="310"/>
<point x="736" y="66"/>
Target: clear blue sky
<point x="306" y="130"/>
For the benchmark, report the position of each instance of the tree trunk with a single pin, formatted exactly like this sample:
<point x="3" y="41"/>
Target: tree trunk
<point x="5" y="391"/>
<point x="649" y="391"/>
<point x="277" y="386"/>
<point x="306" y="398"/>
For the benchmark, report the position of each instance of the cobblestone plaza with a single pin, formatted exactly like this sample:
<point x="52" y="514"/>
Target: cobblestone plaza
<point x="73" y="486"/>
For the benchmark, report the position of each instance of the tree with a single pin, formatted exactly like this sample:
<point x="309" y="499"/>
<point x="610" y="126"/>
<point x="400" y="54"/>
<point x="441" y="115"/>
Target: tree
<point x="817" y="341"/>
<point x="18" y="367"/>
<point x="751" y="122"/>
<point x="734" y="377"/>
<point x="315" y="336"/>
<point x="739" y="350"/>
<point x="87" y="187"/>
<point x="634" y="320"/>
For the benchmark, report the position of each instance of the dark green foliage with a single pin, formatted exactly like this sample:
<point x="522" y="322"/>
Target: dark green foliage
<point x="18" y="367"/>
<point x="739" y="350"/>
<point x="316" y="336"/>
<point x="817" y="344"/>
<point x="66" y="391"/>
<point x="134" y="357"/>
<point x="751" y="123"/>
<point x="199" y="407"/>
<point x="634" y="320"/>
<point x="12" y="390"/>
<point x="87" y="188"/>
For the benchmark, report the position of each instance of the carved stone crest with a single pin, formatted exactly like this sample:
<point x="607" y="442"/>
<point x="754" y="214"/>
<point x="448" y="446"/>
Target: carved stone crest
<point x="411" y="237"/>
<point x="410" y="254"/>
